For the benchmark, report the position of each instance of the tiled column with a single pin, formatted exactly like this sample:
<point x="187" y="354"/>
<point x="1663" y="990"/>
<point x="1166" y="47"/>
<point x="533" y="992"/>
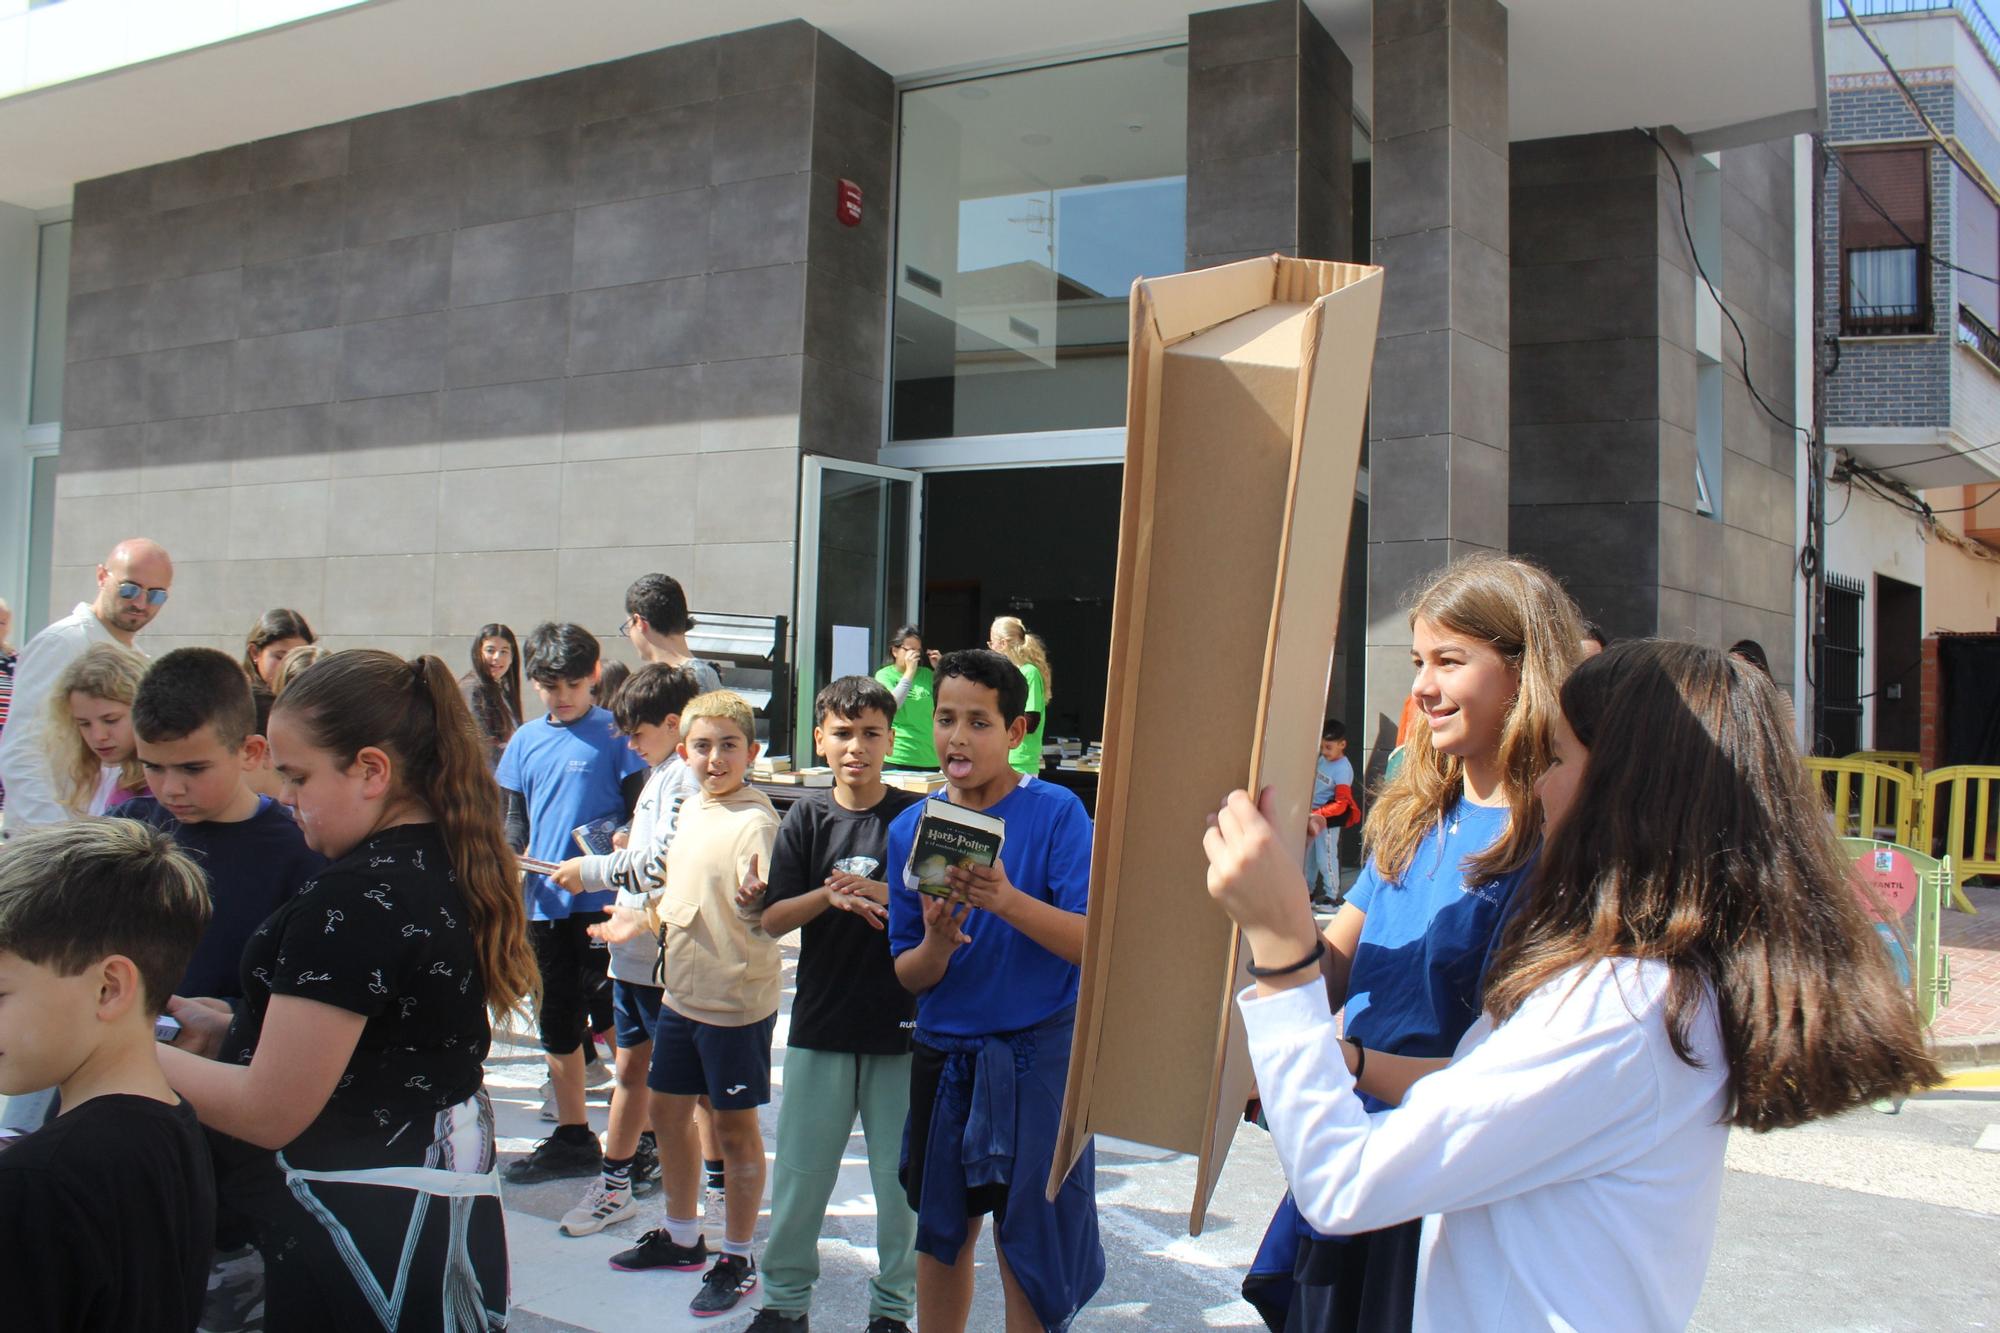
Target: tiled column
<point x="1438" y="420"/>
<point x="1270" y="136"/>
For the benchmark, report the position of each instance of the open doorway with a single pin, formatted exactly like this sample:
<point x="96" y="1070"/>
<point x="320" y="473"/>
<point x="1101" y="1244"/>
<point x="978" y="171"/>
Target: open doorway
<point x="1039" y="543"/>
<point x="1899" y="649"/>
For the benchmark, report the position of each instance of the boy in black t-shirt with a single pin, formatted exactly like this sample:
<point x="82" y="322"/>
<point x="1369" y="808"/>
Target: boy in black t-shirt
<point x="195" y="725"/>
<point x="849" y="1048"/>
<point x="106" y="1213"/>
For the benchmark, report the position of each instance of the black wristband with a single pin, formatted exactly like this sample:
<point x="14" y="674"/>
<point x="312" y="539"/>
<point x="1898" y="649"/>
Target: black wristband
<point x="1262" y="973"/>
<point x="1360" y="1056"/>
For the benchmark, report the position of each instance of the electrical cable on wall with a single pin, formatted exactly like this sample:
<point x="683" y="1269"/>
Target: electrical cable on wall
<point x="1923" y="247"/>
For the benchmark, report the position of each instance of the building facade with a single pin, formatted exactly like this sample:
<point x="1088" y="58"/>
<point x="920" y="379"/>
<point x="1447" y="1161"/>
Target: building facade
<point x="1909" y="253"/>
<point x="827" y="317"/>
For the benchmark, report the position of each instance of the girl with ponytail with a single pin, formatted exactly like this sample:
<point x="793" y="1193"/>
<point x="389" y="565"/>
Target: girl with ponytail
<point x="358" y="1052"/>
<point x="1010" y="638"/>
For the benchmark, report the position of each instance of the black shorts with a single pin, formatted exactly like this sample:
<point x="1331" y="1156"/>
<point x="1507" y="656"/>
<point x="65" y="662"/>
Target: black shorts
<point x="635" y="1010"/>
<point x="573" y="965"/>
<point x="729" y="1066"/>
<point x="926" y="1068"/>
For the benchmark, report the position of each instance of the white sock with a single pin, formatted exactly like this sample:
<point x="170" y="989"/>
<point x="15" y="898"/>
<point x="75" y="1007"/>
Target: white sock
<point x="684" y="1231"/>
<point x="740" y="1248"/>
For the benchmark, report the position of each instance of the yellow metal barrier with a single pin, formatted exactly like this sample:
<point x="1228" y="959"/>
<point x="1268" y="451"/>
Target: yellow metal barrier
<point x="1908" y="760"/>
<point x="1868" y="800"/>
<point x="1959" y="803"/>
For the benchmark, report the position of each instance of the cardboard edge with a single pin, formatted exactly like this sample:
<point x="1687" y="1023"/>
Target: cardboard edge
<point x="1328" y="279"/>
<point x="1128" y="620"/>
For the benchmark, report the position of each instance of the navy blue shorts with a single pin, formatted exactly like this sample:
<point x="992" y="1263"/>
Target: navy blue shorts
<point x="732" y="1066"/>
<point x="634" y="1011"/>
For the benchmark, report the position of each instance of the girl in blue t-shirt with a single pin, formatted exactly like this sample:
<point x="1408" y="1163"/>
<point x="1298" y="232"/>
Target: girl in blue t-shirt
<point x="1449" y="839"/>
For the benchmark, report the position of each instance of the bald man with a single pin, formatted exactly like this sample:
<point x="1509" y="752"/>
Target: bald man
<point x="132" y="586"/>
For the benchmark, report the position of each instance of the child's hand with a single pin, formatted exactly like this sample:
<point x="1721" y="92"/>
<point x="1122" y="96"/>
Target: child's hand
<point x="622" y="839"/>
<point x="751" y="891"/>
<point x="624" y="923"/>
<point x="203" y="1024"/>
<point x="872" y="889"/>
<point x="944" y="922"/>
<point x="984" y="887"/>
<point x="936" y="656"/>
<point x="1256" y="883"/>
<point x="569" y="875"/>
<point x="1315" y="825"/>
<point x="859" y="903"/>
<point x="906" y="659"/>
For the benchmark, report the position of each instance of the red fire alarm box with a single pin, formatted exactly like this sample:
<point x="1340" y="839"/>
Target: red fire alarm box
<point x="847" y="204"/>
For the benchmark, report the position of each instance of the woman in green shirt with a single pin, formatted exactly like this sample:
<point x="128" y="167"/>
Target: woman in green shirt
<point x="1028" y="652"/>
<point x="909" y="678"/>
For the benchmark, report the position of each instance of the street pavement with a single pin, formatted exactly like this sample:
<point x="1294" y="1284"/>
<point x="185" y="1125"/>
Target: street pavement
<point x="1871" y="1223"/>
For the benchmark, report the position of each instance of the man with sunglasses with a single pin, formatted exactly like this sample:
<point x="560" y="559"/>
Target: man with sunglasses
<point x="132" y="586"/>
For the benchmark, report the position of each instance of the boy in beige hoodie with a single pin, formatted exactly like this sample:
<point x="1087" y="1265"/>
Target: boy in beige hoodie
<point x="720" y="1003"/>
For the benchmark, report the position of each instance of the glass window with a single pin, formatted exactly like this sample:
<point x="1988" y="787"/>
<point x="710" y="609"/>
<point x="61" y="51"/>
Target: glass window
<point x="1026" y="205"/>
<point x="51" y="324"/>
<point x="1885" y="223"/>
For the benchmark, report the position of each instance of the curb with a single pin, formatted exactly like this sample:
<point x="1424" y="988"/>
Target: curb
<point x="1967" y="1052"/>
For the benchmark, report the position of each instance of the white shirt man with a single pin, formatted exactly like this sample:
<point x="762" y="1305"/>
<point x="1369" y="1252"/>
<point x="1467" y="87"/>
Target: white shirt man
<point x="132" y="586"/>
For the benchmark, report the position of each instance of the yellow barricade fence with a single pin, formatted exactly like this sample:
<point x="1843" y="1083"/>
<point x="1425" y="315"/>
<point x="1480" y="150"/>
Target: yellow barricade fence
<point x="1868" y="800"/>
<point x="1960" y="807"/>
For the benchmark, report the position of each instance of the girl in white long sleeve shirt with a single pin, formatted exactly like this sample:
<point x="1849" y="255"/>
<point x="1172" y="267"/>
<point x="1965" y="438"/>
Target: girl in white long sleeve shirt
<point x="1650" y="989"/>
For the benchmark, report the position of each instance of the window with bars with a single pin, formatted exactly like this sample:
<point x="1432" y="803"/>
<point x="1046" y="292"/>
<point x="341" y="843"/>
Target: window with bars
<point x="1885" y="229"/>
<point x="1840" y="667"/>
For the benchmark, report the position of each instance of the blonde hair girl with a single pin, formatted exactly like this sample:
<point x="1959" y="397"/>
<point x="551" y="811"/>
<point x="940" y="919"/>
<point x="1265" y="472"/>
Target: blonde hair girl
<point x="1026" y="651"/>
<point x="92" y="752"/>
<point x="1450" y="839"/>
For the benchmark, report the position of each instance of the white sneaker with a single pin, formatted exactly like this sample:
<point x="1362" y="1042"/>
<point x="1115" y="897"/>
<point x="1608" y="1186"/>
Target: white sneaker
<point x="549" y="1112"/>
<point x="598" y="1209"/>
<point x="599" y="1075"/>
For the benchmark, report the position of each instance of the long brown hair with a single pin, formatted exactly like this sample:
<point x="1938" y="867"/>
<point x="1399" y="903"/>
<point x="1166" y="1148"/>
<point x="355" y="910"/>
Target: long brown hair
<point x="278" y="623"/>
<point x="106" y="671"/>
<point x="1520" y="611"/>
<point x="1697" y="838"/>
<point x="507" y="689"/>
<point x="413" y="711"/>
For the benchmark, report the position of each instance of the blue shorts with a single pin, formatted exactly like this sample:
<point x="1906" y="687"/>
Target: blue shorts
<point x="634" y="1011"/>
<point x="731" y="1066"/>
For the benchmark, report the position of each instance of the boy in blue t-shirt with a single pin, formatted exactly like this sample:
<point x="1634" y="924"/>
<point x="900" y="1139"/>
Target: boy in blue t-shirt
<point x="995" y="969"/>
<point x="558" y="772"/>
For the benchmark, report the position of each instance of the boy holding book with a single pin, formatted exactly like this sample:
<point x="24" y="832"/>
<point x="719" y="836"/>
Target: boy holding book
<point x="107" y="1213"/>
<point x="995" y="966"/>
<point x="648" y="712"/>
<point x="719" y="1006"/>
<point x="849" y="1048"/>
<point x="557" y="772"/>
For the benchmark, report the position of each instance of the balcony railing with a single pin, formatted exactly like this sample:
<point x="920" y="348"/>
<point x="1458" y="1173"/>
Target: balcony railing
<point x="1977" y="334"/>
<point x="1976" y="22"/>
<point x="1882" y="320"/>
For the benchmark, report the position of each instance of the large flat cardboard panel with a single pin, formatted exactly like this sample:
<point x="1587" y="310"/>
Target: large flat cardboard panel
<point x="1243" y="436"/>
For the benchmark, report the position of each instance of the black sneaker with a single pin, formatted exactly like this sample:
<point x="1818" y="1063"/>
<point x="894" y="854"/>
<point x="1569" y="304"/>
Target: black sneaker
<point x="882" y="1323"/>
<point x="776" y="1321"/>
<point x="733" y="1277"/>
<point x="645" y="1166"/>
<point x="556" y="1158"/>
<point x="656" y="1249"/>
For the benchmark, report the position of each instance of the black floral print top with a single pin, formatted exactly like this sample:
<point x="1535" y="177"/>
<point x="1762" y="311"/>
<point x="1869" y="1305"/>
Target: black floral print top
<point x="382" y="932"/>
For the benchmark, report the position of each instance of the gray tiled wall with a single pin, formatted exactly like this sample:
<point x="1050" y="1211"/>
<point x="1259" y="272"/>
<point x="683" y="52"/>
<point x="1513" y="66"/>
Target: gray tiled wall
<point x="1270" y="136"/>
<point x="487" y="357"/>
<point x="1603" y="389"/>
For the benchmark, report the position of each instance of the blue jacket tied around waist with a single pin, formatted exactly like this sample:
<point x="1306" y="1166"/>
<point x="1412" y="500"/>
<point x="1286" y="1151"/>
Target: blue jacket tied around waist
<point x="999" y="1102"/>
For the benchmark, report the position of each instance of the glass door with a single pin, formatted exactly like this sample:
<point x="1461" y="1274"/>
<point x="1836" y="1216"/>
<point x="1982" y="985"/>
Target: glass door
<point x="858" y="574"/>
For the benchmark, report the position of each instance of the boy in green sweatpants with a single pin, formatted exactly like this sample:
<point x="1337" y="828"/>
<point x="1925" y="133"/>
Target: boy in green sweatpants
<point x="849" y="1048"/>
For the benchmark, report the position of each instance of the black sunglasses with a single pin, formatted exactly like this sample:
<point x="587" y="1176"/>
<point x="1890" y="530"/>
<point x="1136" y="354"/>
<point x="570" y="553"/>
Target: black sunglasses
<point x="129" y="591"/>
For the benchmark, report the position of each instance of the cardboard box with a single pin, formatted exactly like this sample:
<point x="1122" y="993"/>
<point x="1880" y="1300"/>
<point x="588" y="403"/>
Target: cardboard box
<point x="1247" y="395"/>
